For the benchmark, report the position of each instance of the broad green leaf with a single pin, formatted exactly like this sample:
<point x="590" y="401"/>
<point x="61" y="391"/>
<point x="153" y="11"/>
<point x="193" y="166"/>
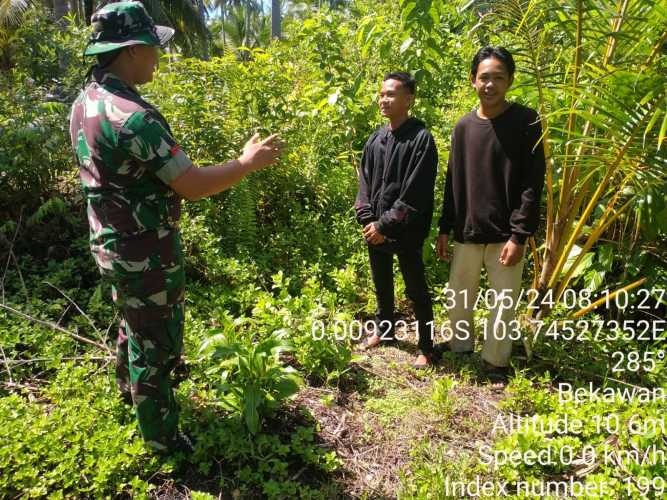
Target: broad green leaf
<point x="406" y="44"/>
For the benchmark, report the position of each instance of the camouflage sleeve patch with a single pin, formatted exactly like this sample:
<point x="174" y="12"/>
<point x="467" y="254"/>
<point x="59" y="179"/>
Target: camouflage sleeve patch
<point x="144" y="138"/>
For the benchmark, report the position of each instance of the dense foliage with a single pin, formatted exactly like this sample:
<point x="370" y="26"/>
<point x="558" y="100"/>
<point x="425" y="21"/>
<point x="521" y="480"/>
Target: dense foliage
<point x="281" y="252"/>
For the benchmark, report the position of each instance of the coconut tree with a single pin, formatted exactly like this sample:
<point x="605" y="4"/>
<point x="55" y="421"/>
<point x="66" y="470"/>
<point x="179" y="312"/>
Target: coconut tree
<point x="60" y="8"/>
<point x="227" y="8"/>
<point x="88" y="9"/>
<point x="11" y="12"/>
<point x="188" y="18"/>
<point x="245" y="31"/>
<point x="242" y="24"/>
<point x="276" y="19"/>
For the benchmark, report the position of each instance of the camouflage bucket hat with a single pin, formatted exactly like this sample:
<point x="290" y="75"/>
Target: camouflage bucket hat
<point x="121" y="24"/>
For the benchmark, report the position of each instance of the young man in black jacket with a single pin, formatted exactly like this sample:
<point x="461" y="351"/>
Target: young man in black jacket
<point x="394" y="206"/>
<point x="495" y="176"/>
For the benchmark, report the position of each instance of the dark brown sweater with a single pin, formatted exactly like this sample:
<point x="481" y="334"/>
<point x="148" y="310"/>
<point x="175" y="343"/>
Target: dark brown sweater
<point x="495" y="176"/>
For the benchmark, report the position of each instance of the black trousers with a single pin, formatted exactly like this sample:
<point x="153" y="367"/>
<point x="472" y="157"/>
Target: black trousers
<point x="412" y="268"/>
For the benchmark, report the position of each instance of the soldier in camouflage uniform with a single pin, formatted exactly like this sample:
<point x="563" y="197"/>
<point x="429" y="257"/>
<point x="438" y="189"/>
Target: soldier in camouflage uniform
<point x="133" y="175"/>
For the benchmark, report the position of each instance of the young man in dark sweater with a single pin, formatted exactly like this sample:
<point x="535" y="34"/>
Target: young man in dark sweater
<point x="394" y="206"/>
<point x="494" y="181"/>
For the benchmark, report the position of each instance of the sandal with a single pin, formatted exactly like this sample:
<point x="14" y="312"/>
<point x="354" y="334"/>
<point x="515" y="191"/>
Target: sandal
<point x="496" y="374"/>
<point x="364" y="345"/>
<point x="432" y="360"/>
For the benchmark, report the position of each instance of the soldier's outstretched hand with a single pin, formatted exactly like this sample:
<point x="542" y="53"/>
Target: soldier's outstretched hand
<point x="258" y="154"/>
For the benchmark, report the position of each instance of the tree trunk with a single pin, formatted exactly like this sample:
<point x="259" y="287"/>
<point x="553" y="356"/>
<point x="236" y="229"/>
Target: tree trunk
<point x="88" y="9"/>
<point x="224" y="35"/>
<point x="75" y="8"/>
<point x="246" y="34"/>
<point x="547" y="271"/>
<point x="202" y="16"/>
<point x="276" y="27"/>
<point x="60" y="9"/>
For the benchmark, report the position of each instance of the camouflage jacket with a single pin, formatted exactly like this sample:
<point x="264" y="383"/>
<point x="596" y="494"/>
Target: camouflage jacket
<point x="127" y="157"/>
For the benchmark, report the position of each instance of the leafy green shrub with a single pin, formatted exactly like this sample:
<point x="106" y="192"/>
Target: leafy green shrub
<point x="252" y="379"/>
<point x="35" y="93"/>
<point x="265" y="464"/>
<point x="322" y="351"/>
<point x="32" y="138"/>
<point x="441" y="394"/>
<point x="49" y="52"/>
<point x="432" y="470"/>
<point x="616" y="442"/>
<point x="79" y="441"/>
<point x="529" y="396"/>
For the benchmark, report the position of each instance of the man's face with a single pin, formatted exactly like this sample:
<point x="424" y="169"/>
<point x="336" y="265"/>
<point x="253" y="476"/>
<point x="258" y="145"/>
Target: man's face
<point x="395" y="99"/>
<point x="146" y="60"/>
<point x="491" y="82"/>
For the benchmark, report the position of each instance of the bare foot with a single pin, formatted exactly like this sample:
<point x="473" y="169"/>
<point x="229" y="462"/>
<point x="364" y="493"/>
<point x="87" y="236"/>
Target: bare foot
<point x="421" y="361"/>
<point x="370" y="342"/>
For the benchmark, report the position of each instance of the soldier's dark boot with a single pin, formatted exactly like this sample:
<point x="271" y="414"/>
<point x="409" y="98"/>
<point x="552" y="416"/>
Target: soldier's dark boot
<point x="182" y="443"/>
<point x="180" y="373"/>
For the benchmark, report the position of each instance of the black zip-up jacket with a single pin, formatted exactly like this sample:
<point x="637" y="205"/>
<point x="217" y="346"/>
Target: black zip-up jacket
<point x="396" y="183"/>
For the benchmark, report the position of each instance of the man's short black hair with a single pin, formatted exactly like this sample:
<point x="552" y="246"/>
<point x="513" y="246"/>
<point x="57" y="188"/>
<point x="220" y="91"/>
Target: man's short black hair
<point x="405" y="78"/>
<point x="500" y="53"/>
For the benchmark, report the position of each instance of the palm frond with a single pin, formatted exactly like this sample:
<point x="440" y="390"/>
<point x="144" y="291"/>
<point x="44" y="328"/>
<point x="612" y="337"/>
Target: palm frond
<point x="594" y="69"/>
<point x="185" y="17"/>
<point x="11" y="11"/>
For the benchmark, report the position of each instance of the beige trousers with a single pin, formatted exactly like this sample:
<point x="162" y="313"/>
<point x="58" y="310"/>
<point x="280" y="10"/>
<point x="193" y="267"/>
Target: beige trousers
<point x="504" y="287"/>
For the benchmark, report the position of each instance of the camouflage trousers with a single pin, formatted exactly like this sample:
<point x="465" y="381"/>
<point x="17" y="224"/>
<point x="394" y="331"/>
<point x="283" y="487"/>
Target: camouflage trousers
<point x="149" y="347"/>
